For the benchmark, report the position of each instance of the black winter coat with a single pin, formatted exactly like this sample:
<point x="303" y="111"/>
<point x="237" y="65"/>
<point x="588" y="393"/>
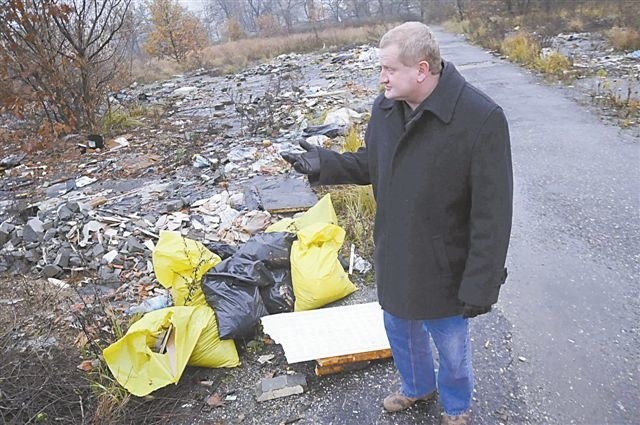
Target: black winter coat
<point x="443" y="189"/>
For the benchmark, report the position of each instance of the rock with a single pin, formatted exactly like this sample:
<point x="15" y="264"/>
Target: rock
<point x="12" y="161"/>
<point x="183" y="91"/>
<point x="32" y="256"/>
<point x="171" y="206"/>
<point x="33" y="231"/>
<point x="64" y="213"/>
<point x="50" y="234"/>
<point x="106" y="275"/>
<point x="97" y="250"/>
<point x="76" y="261"/>
<point x="109" y="256"/>
<point x="62" y="259"/>
<point x="5" y="232"/>
<point x="134" y="245"/>
<point x="280" y="386"/>
<point x="51" y="270"/>
<point x="72" y="206"/>
<point x="330" y="130"/>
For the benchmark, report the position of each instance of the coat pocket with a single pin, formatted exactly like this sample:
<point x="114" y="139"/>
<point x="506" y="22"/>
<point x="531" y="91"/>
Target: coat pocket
<point x="440" y="254"/>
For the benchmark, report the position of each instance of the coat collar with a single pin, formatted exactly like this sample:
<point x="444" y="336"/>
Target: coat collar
<point x="442" y="101"/>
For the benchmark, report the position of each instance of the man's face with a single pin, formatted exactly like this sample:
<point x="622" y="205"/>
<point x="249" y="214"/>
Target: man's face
<point x="399" y="80"/>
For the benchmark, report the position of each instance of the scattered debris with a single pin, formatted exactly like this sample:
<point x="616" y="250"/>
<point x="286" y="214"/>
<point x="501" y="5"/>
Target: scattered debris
<point x="280" y="386"/>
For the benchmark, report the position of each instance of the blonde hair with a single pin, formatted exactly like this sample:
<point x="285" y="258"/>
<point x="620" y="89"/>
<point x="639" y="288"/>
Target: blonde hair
<point x="416" y="43"/>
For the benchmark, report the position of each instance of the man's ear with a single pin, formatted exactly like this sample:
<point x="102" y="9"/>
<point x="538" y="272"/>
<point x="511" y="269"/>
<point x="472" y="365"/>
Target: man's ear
<point x="423" y="71"/>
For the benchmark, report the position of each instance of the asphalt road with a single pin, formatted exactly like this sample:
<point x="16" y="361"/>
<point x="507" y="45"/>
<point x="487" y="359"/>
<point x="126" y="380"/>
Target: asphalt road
<point x="572" y="296"/>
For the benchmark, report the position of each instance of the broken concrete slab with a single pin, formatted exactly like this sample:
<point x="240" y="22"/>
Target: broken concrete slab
<point x="280" y="386"/>
<point x="279" y="194"/>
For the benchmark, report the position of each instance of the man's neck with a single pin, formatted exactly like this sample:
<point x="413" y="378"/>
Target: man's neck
<point x="427" y="87"/>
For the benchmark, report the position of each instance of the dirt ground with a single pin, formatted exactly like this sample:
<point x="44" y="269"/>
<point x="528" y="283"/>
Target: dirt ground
<point x="44" y="347"/>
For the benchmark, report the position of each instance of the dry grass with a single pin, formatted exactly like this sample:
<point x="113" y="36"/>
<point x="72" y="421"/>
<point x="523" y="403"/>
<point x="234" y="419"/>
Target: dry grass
<point x="521" y="48"/>
<point x="235" y="55"/>
<point x="624" y="39"/>
<point x="553" y="64"/>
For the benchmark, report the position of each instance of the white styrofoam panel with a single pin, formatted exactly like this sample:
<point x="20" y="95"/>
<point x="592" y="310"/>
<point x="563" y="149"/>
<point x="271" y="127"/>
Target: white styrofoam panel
<point x="328" y="332"/>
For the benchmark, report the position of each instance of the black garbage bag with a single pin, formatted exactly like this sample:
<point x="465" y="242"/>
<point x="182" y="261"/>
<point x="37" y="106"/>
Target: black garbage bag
<point x="279" y="297"/>
<point x="251" y="283"/>
<point x="271" y="248"/>
<point x="238" y="307"/>
<point x="222" y="250"/>
<point x="247" y="271"/>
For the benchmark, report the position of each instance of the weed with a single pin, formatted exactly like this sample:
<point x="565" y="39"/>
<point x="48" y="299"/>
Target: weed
<point x="624" y="39"/>
<point x="180" y="154"/>
<point x="521" y="48"/>
<point x="155" y="113"/>
<point x="457" y="26"/>
<point x="111" y="397"/>
<point x="118" y="120"/>
<point x="356" y="208"/>
<point x="353" y="141"/>
<point x="554" y="64"/>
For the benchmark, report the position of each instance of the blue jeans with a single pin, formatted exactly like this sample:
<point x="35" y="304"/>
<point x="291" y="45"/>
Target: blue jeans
<point x="409" y="340"/>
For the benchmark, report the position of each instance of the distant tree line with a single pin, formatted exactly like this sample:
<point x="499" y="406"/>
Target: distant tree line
<point x="59" y="59"/>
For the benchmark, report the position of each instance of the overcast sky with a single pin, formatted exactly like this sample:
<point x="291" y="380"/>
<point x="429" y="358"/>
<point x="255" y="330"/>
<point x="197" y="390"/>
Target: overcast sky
<point x="194" y="5"/>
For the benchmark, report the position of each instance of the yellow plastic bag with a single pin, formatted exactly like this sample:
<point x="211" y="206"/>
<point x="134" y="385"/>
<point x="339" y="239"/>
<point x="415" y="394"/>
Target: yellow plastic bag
<point x="318" y="277"/>
<point x="179" y="264"/>
<point x="137" y="366"/>
<point x="211" y="351"/>
<point x="321" y="212"/>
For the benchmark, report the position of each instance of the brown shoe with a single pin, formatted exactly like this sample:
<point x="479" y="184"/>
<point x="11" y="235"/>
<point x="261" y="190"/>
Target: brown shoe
<point x="398" y="401"/>
<point x="462" y="419"/>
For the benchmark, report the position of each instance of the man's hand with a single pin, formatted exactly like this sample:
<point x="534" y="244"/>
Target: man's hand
<point x="470" y="310"/>
<point x="307" y="162"/>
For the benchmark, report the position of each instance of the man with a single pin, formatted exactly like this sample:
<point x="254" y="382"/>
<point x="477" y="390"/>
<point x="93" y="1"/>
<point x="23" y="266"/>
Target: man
<point x="439" y="159"/>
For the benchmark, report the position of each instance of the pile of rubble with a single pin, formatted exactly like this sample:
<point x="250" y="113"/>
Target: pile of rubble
<point x="101" y="219"/>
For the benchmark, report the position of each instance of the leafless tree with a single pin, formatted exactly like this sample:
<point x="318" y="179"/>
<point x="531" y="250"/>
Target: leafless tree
<point x="67" y="53"/>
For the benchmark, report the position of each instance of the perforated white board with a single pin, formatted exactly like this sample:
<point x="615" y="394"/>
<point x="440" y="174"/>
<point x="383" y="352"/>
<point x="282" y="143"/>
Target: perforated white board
<point x="328" y="332"/>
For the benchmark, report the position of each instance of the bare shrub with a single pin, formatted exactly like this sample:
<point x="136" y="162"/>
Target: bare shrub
<point x="64" y="57"/>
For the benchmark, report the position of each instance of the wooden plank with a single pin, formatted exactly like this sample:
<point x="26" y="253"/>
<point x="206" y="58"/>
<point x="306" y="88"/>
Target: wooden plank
<point x="349" y="362"/>
<point x="357" y="357"/>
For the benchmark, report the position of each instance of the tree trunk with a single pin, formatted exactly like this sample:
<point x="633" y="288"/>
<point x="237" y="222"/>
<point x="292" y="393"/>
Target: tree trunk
<point x="460" y="7"/>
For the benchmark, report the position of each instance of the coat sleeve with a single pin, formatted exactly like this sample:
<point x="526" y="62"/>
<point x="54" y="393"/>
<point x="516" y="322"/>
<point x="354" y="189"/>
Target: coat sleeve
<point x="345" y="168"/>
<point x="491" y="184"/>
